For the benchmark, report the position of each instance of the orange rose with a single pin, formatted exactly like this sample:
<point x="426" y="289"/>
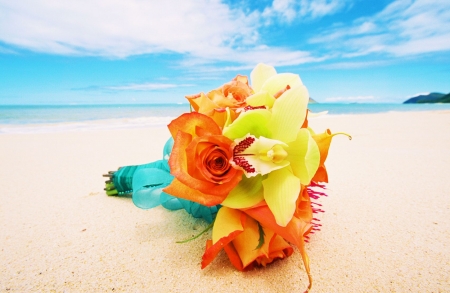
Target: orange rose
<point x="200" y="160"/>
<point x="231" y="95"/>
<point x="240" y="236"/>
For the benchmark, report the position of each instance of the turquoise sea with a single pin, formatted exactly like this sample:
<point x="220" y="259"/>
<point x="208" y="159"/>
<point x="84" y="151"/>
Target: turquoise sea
<point x="50" y="118"/>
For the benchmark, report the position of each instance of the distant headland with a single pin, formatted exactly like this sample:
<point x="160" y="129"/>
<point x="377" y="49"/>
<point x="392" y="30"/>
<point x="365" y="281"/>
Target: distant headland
<point x="429" y="98"/>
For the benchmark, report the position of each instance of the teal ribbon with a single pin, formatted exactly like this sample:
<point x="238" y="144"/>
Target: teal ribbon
<point x="146" y="183"/>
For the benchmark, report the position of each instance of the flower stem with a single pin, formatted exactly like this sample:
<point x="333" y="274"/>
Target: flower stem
<point x="200" y="234"/>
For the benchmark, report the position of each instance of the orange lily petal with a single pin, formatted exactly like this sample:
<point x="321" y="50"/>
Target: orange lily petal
<point x="234" y="256"/>
<point x="323" y="141"/>
<point x="321" y="175"/>
<point x="238" y="234"/>
<point x="227" y="221"/>
<point x="246" y="242"/>
<point x="279" y="248"/>
<point x="305" y="123"/>
<point x="228" y="225"/>
<point x="303" y="210"/>
<point x="293" y="232"/>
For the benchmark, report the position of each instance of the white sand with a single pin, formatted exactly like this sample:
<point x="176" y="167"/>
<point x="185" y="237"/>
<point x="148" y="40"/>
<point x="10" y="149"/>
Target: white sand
<point x="386" y="225"/>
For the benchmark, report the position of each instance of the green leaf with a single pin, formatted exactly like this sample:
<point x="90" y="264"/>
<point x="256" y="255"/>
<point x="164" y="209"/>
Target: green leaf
<point x="281" y="190"/>
<point x="288" y="114"/>
<point x="304" y="156"/>
<point x="261" y="236"/>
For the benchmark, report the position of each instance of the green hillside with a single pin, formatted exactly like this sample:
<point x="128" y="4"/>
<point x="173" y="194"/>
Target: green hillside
<point x="430" y="98"/>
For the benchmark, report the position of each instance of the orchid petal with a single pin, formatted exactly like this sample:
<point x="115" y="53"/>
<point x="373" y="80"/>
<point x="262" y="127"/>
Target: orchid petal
<point x="247" y="193"/>
<point x="260" y="74"/>
<point x="279" y="82"/>
<point x="304" y="156"/>
<point x="259" y="161"/>
<point x="254" y="122"/>
<point x="288" y="114"/>
<point x="281" y="190"/>
<point x="259" y="99"/>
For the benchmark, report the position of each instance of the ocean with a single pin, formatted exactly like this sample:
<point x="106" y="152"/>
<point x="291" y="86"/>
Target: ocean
<point x="55" y="118"/>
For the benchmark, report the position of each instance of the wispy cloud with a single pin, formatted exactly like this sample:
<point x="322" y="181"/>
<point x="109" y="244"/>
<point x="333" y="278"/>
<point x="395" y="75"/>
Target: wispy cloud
<point x="147" y="86"/>
<point x="134" y="87"/>
<point x="405" y="27"/>
<point x="289" y="10"/>
<point x="200" y="30"/>
<point x="418" y="94"/>
<point x="353" y="64"/>
<point x="205" y="32"/>
<point x="4" y="50"/>
<point x="352" y="99"/>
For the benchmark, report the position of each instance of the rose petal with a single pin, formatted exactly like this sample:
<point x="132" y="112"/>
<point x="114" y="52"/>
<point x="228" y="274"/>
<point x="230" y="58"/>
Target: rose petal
<point x="182" y="162"/>
<point x="178" y="189"/>
<point x="189" y="122"/>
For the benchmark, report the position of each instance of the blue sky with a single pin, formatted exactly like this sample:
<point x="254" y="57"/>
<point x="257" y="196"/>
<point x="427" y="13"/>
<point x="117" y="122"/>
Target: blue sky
<point x="135" y="51"/>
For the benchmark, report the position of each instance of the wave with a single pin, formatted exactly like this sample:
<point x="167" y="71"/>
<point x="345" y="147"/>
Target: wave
<point x="105" y="124"/>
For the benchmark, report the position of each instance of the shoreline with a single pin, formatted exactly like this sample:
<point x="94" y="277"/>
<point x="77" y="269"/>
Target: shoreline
<point x="139" y="122"/>
<point x="386" y="225"/>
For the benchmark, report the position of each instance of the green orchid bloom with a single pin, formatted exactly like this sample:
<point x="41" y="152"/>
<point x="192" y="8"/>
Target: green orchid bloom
<point x="275" y="153"/>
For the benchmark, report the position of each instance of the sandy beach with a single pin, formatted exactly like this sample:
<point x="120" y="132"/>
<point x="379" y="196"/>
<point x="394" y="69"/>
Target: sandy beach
<point x="386" y="227"/>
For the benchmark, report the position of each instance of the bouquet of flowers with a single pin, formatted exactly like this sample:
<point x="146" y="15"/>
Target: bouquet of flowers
<point x="245" y="160"/>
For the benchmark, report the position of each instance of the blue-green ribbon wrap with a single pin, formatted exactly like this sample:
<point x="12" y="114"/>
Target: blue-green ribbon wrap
<point x="146" y="183"/>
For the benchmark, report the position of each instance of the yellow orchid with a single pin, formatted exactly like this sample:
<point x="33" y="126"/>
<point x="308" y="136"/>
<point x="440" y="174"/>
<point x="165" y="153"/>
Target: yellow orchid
<point x="275" y="153"/>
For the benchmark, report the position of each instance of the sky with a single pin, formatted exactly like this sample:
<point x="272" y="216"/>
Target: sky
<point x="136" y="51"/>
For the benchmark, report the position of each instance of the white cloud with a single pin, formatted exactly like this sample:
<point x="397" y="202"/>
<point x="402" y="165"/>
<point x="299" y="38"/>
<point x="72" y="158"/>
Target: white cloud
<point x="352" y="99"/>
<point x="289" y="10"/>
<point x="146" y="86"/>
<point x="418" y="94"/>
<point x="4" y="50"/>
<point x="200" y="30"/>
<point x="403" y="28"/>
<point x="122" y="28"/>
<point x="318" y="8"/>
<point x="354" y="65"/>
